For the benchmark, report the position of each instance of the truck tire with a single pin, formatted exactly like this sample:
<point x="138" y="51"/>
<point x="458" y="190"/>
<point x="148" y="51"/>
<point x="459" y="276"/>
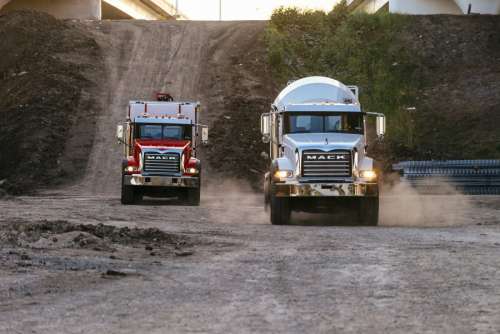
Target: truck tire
<point x="368" y="211"/>
<point x="280" y="210"/>
<point x="128" y="194"/>
<point x="193" y="196"/>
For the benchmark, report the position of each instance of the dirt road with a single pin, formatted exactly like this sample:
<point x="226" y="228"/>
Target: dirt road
<point x="247" y="276"/>
<point x="221" y="267"/>
<point x="146" y="57"/>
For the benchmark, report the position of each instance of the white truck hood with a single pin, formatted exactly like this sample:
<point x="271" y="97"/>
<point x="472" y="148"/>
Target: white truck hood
<point x="322" y="141"/>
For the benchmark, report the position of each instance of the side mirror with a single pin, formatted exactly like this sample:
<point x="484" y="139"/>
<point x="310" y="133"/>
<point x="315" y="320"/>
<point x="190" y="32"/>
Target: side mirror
<point x="380" y="126"/>
<point x="120" y="134"/>
<point x="265" y="127"/>
<point x="204" y="135"/>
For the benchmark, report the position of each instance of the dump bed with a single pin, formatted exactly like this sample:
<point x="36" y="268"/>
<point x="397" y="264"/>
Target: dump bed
<point x="160" y="109"/>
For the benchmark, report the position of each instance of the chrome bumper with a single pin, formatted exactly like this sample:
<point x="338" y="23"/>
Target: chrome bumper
<point x="162" y="181"/>
<point x="325" y="189"/>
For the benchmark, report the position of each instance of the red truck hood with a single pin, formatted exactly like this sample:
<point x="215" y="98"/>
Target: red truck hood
<point x="162" y="144"/>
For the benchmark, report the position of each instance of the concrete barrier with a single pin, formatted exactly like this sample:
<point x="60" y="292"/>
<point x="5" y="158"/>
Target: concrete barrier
<point x="74" y="9"/>
<point x="93" y="9"/>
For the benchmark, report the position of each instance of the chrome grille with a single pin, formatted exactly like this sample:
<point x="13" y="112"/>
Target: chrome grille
<point x="161" y="164"/>
<point x="326" y="164"/>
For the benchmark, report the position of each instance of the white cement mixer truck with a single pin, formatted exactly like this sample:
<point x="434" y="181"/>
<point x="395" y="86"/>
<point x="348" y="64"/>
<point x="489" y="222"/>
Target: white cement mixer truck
<point x="316" y="131"/>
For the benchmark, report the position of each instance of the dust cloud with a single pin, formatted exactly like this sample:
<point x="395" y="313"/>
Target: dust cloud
<point x="234" y="201"/>
<point x="402" y="205"/>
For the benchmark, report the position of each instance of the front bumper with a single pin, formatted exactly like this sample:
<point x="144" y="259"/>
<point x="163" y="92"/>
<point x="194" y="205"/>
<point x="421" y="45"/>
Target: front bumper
<point x="325" y="189"/>
<point x="162" y="181"/>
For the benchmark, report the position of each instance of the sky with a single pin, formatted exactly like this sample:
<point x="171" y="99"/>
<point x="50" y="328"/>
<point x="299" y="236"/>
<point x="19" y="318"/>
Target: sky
<point x="244" y="9"/>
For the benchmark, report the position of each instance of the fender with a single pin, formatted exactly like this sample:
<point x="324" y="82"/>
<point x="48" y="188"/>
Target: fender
<point x="193" y="163"/>
<point x="282" y="163"/>
<point x="366" y="163"/>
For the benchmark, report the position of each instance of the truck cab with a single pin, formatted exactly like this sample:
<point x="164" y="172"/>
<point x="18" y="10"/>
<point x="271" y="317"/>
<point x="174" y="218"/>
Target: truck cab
<point x="160" y="140"/>
<point x="316" y="132"/>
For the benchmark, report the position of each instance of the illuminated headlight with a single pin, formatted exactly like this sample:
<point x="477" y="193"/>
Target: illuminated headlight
<point x="283" y="174"/>
<point x="131" y="169"/>
<point x="192" y="170"/>
<point x="368" y="174"/>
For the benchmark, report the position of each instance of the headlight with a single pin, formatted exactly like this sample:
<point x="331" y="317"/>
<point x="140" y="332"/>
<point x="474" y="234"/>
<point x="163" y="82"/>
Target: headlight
<point x="131" y="169"/>
<point x="368" y="174"/>
<point x="283" y="174"/>
<point x="192" y="170"/>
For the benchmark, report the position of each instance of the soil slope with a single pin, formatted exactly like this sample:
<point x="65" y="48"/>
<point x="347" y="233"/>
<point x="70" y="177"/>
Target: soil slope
<point x="458" y="109"/>
<point x="47" y="81"/>
<point x="95" y="68"/>
<point x="192" y="61"/>
<point x="436" y="78"/>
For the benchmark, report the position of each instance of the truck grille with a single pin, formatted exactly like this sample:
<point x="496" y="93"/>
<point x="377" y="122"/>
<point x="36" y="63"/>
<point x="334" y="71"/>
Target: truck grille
<point x="326" y="164"/>
<point x="162" y="164"/>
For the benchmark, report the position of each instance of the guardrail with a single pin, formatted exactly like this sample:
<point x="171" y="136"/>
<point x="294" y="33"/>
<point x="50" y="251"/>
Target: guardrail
<point x="472" y="177"/>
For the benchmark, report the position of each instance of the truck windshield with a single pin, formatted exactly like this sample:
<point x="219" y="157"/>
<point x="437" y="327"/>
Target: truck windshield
<point x="324" y="122"/>
<point x="159" y="131"/>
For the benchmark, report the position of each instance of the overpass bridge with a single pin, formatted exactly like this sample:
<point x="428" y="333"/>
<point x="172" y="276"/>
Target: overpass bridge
<point x="99" y="9"/>
<point x="427" y="7"/>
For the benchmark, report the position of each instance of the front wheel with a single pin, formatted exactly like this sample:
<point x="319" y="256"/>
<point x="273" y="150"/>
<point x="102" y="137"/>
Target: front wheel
<point x="193" y="196"/>
<point x="369" y="210"/>
<point x="128" y="194"/>
<point x="280" y="210"/>
<point x="267" y="192"/>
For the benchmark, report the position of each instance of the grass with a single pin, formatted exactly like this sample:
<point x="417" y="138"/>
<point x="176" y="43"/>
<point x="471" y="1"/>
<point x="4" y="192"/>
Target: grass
<point x="358" y="49"/>
<point x="411" y="68"/>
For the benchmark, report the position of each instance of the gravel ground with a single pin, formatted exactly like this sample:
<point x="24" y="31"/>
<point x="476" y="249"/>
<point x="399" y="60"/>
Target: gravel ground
<point x="237" y="273"/>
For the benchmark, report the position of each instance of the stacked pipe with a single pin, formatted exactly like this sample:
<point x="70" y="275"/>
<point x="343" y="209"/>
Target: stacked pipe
<point x="472" y="177"/>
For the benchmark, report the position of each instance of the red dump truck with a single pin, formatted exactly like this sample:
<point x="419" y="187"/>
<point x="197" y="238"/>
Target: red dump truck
<point x="161" y="140"/>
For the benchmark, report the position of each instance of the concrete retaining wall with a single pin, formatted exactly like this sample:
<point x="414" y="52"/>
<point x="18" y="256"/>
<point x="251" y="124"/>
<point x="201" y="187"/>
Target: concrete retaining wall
<point x="480" y="6"/>
<point x="424" y="7"/>
<point x="74" y="9"/>
<point x="458" y="7"/>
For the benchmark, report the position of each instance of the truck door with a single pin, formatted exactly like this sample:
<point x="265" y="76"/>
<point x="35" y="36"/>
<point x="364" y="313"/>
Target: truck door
<point x="275" y="136"/>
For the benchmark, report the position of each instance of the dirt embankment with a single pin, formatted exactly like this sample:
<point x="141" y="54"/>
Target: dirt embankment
<point x="50" y="133"/>
<point x="47" y="72"/>
<point x="238" y="84"/>
<point x="455" y="58"/>
<point x="66" y="256"/>
<point x="458" y="109"/>
<point x="54" y="66"/>
<point x="436" y="78"/>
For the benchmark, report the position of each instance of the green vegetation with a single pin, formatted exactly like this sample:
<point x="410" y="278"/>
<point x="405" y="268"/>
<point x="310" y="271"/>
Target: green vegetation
<point x="404" y="65"/>
<point x="355" y="49"/>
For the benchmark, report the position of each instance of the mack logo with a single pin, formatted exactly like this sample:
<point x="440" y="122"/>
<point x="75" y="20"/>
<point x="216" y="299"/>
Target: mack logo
<point x="326" y="157"/>
<point x="160" y="157"/>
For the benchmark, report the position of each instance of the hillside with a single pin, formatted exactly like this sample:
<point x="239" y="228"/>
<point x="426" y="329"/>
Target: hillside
<point x="437" y="78"/>
<point x="65" y="85"/>
<point x="48" y="71"/>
